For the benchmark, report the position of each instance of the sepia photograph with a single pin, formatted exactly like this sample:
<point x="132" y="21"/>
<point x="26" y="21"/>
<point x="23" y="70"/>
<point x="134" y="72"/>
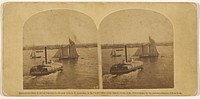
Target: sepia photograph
<point x="60" y="51"/>
<point x="99" y="49"/>
<point x="137" y="50"/>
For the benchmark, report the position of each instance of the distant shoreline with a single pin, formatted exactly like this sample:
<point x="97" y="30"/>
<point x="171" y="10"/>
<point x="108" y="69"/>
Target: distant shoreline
<point x="103" y="46"/>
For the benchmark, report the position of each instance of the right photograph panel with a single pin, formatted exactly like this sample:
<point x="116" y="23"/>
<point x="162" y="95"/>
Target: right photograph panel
<point x="137" y="50"/>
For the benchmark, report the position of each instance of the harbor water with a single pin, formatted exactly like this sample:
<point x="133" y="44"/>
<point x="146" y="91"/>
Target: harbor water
<point x="81" y="73"/>
<point x="158" y="72"/>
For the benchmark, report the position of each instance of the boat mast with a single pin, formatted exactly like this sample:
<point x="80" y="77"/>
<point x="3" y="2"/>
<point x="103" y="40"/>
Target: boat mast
<point x="69" y="55"/>
<point x="45" y="49"/>
<point x="62" y="52"/>
<point x="34" y="55"/>
<point x="126" y="53"/>
<point x="149" y="52"/>
<point x="31" y="54"/>
<point x="141" y="50"/>
<point x="69" y="51"/>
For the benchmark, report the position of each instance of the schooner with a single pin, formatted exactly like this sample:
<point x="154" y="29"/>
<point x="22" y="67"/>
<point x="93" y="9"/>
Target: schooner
<point x="147" y="50"/>
<point x="114" y="54"/>
<point x="67" y="52"/>
<point x="33" y="54"/>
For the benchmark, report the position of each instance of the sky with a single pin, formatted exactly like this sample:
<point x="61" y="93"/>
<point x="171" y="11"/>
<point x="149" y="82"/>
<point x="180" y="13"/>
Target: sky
<point x="135" y="26"/>
<point x="55" y="27"/>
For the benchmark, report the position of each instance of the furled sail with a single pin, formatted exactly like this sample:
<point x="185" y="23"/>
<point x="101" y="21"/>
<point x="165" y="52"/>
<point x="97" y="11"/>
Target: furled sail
<point x="72" y="50"/>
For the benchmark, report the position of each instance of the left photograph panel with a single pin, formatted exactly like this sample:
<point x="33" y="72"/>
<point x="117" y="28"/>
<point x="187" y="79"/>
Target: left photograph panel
<point x="60" y="51"/>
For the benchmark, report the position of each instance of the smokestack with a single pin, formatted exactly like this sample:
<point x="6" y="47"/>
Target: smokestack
<point x="45" y="50"/>
<point x="126" y="53"/>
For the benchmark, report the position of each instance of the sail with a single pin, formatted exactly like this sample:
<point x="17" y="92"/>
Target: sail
<point x="138" y="52"/>
<point x="72" y="49"/>
<point x="152" y="48"/>
<point x="58" y="54"/>
<point x="145" y="50"/>
<point x="62" y="53"/>
<point x="142" y="51"/>
<point x="65" y="52"/>
<point x="33" y="54"/>
<point x="113" y="52"/>
<point x="151" y="40"/>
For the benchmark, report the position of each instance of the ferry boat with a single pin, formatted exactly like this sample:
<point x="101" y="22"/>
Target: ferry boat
<point x="46" y="68"/>
<point x="126" y="66"/>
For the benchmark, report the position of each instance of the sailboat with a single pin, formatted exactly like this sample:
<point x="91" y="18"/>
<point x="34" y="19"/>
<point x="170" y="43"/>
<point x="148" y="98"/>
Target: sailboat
<point x="45" y="68"/>
<point x="114" y="54"/>
<point x="67" y="52"/>
<point x="126" y="66"/>
<point x="147" y="50"/>
<point x="33" y="54"/>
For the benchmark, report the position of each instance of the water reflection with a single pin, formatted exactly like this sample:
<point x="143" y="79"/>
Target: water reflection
<point x="153" y="59"/>
<point x="149" y="59"/>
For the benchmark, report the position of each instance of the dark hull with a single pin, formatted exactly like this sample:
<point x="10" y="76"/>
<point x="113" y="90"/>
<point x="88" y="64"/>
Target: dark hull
<point x="39" y="51"/>
<point x="37" y="57"/>
<point x="119" y="50"/>
<point x="119" y="72"/>
<point x="68" y="58"/>
<point x="147" y="56"/>
<point x="116" y="55"/>
<point x="45" y="73"/>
